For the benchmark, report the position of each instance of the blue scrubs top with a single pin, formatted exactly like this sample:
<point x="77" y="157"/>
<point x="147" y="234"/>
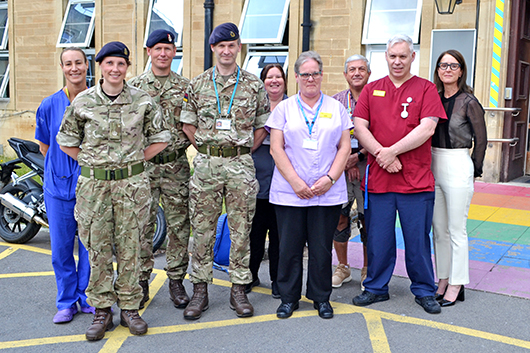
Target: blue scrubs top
<point x="60" y="170"/>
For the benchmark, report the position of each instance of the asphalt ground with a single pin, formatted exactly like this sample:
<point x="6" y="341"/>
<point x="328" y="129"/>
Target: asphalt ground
<point x="484" y="322"/>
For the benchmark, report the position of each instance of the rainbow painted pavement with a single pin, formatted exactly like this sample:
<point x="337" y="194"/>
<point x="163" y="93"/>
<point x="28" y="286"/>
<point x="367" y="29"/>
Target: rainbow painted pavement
<point x="499" y="241"/>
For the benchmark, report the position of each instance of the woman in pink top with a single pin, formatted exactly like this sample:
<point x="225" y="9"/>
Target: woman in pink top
<point x="310" y="144"/>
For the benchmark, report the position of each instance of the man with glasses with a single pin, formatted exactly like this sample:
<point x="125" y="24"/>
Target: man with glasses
<point x="225" y="110"/>
<point x="395" y="118"/>
<point x="169" y="171"/>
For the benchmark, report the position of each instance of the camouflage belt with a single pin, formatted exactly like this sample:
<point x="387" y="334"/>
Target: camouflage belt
<point x="116" y="174"/>
<point x="223" y="151"/>
<point x="168" y="157"/>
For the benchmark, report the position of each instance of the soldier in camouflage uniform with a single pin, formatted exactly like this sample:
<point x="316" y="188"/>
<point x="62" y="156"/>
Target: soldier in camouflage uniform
<point x="111" y="129"/>
<point x="224" y="112"/>
<point x="169" y="171"/>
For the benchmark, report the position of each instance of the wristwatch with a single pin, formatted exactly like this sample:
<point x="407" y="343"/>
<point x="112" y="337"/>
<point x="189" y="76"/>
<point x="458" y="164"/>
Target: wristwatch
<point x="332" y="180"/>
<point x="361" y="156"/>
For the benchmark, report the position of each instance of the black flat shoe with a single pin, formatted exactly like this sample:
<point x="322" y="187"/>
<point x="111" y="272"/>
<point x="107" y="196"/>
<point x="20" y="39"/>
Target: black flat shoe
<point x="325" y="310"/>
<point x="460" y="297"/>
<point x="367" y="298"/>
<point x="429" y="304"/>
<point x="249" y="286"/>
<point x="439" y="297"/>
<point x="285" y="310"/>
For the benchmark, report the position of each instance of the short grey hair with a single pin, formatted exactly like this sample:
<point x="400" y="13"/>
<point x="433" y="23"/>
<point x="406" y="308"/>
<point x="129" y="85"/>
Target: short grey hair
<point x="306" y="56"/>
<point x="356" y="57"/>
<point x="400" y="38"/>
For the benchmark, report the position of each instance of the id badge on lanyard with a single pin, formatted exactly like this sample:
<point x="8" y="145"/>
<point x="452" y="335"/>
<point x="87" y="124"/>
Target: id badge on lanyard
<point x="223" y="123"/>
<point x="310" y="143"/>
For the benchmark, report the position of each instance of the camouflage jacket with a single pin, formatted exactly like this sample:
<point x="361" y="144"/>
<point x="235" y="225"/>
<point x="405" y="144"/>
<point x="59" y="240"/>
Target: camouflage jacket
<point x="112" y="135"/>
<point x="250" y="108"/>
<point x="169" y="97"/>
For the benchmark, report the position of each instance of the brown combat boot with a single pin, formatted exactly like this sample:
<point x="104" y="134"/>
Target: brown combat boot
<point x="178" y="294"/>
<point x="198" y="302"/>
<point x="239" y="301"/>
<point x="102" y="322"/>
<point x="131" y="319"/>
<point x="145" y="291"/>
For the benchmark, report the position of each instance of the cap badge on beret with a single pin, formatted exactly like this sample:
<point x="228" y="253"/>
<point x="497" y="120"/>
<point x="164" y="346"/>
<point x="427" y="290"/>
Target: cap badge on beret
<point x="169" y="37"/>
<point x="125" y="51"/>
<point x="232" y="34"/>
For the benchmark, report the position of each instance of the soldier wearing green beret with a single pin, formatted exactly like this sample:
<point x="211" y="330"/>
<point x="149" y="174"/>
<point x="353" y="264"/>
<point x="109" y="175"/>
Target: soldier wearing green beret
<point x="169" y="171"/>
<point x="225" y="110"/>
<point x="111" y="129"/>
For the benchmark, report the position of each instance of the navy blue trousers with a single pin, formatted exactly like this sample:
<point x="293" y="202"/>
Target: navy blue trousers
<point x="415" y="215"/>
<point x="296" y="226"/>
<point x="71" y="280"/>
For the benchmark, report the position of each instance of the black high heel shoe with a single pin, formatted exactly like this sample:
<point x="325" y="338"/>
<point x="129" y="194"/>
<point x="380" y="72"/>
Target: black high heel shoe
<point x="460" y="297"/>
<point x="439" y="297"/>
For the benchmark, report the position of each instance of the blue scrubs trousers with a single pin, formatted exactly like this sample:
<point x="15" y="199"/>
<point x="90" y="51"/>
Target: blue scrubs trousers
<point x="415" y="215"/>
<point x="71" y="281"/>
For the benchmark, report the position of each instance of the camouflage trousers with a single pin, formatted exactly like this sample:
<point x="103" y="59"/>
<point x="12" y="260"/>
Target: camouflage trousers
<point x="215" y="177"/>
<point x="170" y="186"/>
<point x="111" y="214"/>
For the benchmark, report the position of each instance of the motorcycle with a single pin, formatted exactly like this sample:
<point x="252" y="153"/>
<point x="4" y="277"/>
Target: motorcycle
<point x="22" y="209"/>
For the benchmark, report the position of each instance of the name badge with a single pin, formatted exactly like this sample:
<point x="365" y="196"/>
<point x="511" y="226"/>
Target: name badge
<point x="379" y="93"/>
<point x="310" y="144"/>
<point x="354" y="143"/>
<point x="223" y="124"/>
<point x="325" y="115"/>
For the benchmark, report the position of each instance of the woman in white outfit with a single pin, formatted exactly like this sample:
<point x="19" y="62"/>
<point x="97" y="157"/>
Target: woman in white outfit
<point x="454" y="170"/>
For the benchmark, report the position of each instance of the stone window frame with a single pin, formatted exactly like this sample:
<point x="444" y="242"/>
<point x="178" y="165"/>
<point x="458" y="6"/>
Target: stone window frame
<point x="5" y="25"/>
<point x="90" y="30"/>
<point x="4" y="83"/>
<point x="245" y="18"/>
<point x="375" y="20"/>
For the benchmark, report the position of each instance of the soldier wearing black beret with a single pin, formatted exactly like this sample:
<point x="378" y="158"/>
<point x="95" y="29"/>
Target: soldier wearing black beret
<point x="224" y="133"/>
<point x="119" y="128"/>
<point x="169" y="171"/>
<point x="117" y="49"/>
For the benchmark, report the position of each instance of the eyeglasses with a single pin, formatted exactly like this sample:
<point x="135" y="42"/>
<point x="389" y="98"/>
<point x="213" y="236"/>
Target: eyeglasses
<point x="453" y="66"/>
<point x="306" y="75"/>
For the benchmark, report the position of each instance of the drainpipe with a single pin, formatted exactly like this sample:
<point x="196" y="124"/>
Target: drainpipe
<point x="306" y="25"/>
<point x="476" y="41"/>
<point x="208" y="28"/>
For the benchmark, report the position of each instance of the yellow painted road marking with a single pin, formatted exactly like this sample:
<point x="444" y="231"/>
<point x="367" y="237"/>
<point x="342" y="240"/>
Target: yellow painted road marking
<point x="26" y="274"/>
<point x="7" y="252"/>
<point x="377" y="333"/>
<point x="378" y="338"/>
<point x="28" y="248"/>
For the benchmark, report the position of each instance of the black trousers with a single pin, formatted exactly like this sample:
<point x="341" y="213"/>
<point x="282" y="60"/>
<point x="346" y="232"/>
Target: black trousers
<point x="316" y="226"/>
<point x="264" y="220"/>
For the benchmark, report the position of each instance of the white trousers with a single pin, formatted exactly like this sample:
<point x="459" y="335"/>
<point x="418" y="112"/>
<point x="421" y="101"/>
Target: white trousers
<point x="453" y="172"/>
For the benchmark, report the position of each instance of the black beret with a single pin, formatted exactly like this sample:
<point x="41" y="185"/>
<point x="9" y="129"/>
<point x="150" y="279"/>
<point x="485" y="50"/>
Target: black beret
<point x="160" y="36"/>
<point x="224" y="32"/>
<point x="113" y="49"/>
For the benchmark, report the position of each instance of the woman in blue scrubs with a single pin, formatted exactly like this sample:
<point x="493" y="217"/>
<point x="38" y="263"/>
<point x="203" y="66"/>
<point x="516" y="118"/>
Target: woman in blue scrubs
<point x="60" y="180"/>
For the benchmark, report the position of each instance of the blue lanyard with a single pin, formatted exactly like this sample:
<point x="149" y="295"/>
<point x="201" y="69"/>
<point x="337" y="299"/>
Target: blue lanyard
<point x="310" y="125"/>
<point x="217" y="93"/>
<point x="366" y="187"/>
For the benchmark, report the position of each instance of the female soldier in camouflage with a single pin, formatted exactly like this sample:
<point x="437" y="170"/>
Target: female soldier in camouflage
<point x="106" y="129"/>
